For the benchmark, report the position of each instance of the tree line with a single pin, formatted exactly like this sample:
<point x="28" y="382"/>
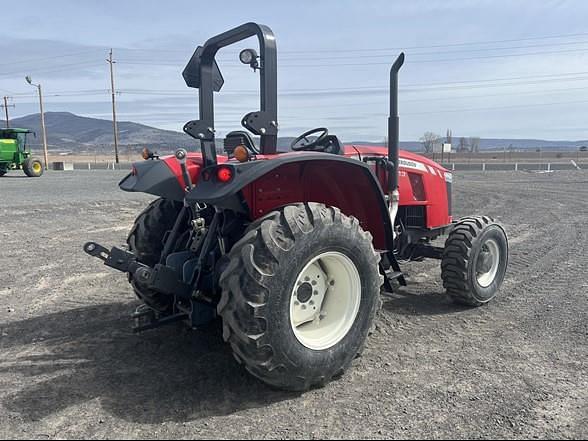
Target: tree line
<point x="432" y="142"/>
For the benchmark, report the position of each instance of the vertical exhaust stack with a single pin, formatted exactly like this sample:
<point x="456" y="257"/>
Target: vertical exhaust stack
<point x="394" y="141"/>
<point x="393" y="122"/>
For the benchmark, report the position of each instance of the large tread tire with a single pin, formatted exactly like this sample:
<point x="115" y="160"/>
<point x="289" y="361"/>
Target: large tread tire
<point x="460" y="256"/>
<point x="145" y="241"/>
<point x="257" y="287"/>
<point x="32" y="167"/>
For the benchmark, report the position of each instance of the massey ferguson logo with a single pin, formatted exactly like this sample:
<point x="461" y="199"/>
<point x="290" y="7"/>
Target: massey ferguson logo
<point x="407" y="163"/>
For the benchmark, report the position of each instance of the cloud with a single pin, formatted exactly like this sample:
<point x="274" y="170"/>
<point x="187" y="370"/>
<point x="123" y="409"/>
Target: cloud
<point x="65" y="44"/>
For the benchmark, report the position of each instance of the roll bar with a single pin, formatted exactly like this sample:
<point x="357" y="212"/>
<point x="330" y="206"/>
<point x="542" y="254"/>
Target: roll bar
<point x="202" y="72"/>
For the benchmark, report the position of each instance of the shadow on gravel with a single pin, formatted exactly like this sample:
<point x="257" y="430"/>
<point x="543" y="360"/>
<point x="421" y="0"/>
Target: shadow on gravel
<point x="432" y="303"/>
<point x="171" y="374"/>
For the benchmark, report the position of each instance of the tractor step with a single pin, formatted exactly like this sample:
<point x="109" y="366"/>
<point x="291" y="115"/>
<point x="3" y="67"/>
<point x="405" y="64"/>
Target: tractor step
<point x="394" y="278"/>
<point x="394" y="275"/>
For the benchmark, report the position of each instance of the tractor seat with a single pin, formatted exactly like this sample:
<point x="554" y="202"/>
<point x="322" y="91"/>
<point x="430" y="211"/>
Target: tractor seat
<point x="236" y="138"/>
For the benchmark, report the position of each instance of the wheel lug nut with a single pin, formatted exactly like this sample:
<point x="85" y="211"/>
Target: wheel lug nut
<point x="314" y="282"/>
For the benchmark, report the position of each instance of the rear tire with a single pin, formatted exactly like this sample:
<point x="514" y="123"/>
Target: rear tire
<point x="266" y="277"/>
<point x="145" y="241"/>
<point x="474" y="261"/>
<point x="32" y="167"/>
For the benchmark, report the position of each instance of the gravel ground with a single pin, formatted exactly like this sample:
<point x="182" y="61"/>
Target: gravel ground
<point x="70" y="366"/>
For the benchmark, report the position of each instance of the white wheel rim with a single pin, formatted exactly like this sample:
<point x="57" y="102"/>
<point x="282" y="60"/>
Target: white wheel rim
<point x="490" y="250"/>
<point x="325" y="300"/>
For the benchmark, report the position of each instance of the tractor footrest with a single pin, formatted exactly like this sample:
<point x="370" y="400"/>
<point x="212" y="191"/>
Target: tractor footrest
<point x="393" y="275"/>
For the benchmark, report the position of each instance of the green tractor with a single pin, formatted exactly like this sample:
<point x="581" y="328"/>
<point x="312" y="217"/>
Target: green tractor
<point x="15" y="154"/>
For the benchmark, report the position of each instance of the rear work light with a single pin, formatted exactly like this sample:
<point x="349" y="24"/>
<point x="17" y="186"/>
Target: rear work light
<point x="224" y="174"/>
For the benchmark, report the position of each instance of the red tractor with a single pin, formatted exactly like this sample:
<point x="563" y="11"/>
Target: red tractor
<point x="291" y="249"/>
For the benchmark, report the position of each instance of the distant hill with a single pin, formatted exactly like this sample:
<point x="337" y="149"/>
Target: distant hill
<point x="69" y="131"/>
<point x="73" y="132"/>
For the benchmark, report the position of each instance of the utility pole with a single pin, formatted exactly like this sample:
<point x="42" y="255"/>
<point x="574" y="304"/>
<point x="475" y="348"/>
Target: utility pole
<point x="43" y="129"/>
<point x="114" y="126"/>
<point x="6" y="106"/>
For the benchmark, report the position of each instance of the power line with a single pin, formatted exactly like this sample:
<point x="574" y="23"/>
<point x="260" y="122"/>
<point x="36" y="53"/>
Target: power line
<point x="71" y="54"/>
<point x="371" y="63"/>
<point x="89" y="63"/>
<point x="59" y="68"/>
<point x="362" y="50"/>
<point x="442" y="60"/>
<point x="383" y="101"/>
<point x="496" y="108"/>
<point x="411" y="87"/>
<point x="348" y="50"/>
<point x="407" y="87"/>
<point x="446" y="52"/>
<point x="468" y="43"/>
<point x="391" y="54"/>
<point x="461" y="109"/>
<point x="414" y="87"/>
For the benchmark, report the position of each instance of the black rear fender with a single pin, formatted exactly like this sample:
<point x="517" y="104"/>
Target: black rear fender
<point x="258" y="187"/>
<point x="153" y="177"/>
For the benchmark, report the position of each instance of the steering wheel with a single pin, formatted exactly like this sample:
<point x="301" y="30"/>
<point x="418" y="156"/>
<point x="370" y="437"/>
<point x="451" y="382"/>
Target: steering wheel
<point x="297" y="145"/>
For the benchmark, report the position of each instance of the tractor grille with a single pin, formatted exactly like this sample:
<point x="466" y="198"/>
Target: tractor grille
<point x="412" y="215"/>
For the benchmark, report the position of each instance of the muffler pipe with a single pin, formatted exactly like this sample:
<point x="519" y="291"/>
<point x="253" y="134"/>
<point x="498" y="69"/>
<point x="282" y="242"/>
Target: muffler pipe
<point x="393" y="123"/>
<point x="394" y="141"/>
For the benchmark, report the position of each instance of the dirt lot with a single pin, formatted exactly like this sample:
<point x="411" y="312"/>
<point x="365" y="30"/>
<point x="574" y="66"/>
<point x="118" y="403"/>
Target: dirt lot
<point x="70" y="367"/>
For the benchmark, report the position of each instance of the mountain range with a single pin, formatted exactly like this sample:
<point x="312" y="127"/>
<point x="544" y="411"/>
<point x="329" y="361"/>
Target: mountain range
<point x="67" y="131"/>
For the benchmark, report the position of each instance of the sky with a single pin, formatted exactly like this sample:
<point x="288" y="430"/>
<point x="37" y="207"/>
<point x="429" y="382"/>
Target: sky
<point x="507" y="69"/>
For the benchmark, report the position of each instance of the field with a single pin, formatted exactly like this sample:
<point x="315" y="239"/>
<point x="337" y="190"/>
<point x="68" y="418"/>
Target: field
<point x="70" y="366"/>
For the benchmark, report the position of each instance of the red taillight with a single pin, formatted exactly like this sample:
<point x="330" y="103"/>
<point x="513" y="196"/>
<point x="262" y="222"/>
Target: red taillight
<point x="224" y="174"/>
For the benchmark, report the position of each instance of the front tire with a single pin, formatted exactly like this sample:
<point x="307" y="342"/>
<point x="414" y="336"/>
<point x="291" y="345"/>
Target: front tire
<point x="288" y="331"/>
<point x="474" y="261"/>
<point x="32" y="167"/>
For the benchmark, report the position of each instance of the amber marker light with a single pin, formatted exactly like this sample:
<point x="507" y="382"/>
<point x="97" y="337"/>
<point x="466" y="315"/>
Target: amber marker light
<point x="146" y="153"/>
<point x="241" y="153"/>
